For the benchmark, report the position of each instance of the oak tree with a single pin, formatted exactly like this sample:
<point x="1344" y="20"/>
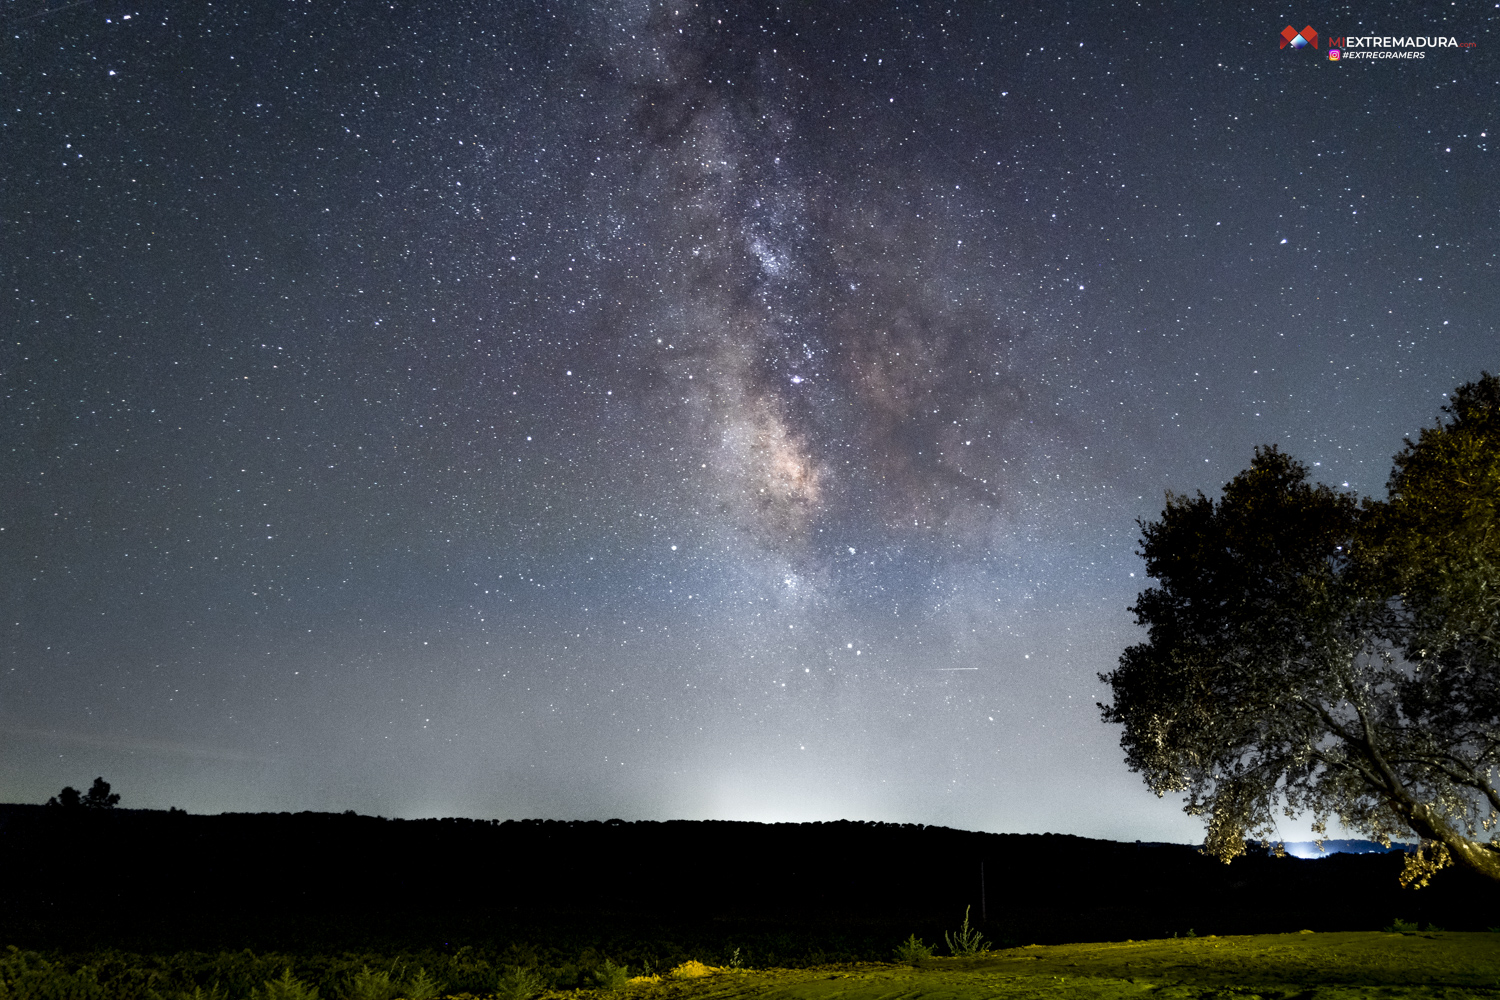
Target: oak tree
<point x="1307" y="652"/>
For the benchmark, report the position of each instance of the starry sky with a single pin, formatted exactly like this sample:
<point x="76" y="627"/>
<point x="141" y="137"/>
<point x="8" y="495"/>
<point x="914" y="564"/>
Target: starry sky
<point x="681" y="410"/>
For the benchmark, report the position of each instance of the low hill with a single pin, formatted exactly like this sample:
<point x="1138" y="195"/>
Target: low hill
<point x="208" y="881"/>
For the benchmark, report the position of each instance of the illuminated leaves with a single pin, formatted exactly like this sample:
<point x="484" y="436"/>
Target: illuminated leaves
<point x="1307" y="653"/>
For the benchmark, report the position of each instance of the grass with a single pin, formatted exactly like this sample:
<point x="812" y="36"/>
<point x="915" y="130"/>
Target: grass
<point x="1338" y="966"/>
<point x="1403" y="965"/>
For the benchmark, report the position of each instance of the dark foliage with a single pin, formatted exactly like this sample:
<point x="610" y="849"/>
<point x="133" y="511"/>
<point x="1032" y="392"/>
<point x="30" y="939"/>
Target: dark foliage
<point x="98" y="797"/>
<point x="1308" y="653"/>
<point x="68" y="798"/>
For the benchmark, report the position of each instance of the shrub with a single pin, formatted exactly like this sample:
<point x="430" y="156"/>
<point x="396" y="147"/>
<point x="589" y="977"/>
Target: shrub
<point x="691" y="969"/>
<point x="288" y="987"/>
<point x="610" y="976"/>
<point x="966" y="940"/>
<point x="214" y="993"/>
<point x="912" y="951"/>
<point x="518" y="984"/>
<point x="1399" y="926"/>
<point x="367" y="985"/>
<point x="421" y="987"/>
<point x="24" y="975"/>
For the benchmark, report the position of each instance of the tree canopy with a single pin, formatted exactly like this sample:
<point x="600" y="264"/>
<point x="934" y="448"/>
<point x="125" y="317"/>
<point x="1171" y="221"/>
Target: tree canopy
<point x="98" y="797"/>
<point x="1310" y="652"/>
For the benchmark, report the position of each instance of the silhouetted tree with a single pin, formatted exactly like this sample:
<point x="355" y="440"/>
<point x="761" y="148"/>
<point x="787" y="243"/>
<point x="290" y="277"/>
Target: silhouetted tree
<point x="68" y="798"/>
<point x="99" y="797"/>
<point x="1307" y="653"/>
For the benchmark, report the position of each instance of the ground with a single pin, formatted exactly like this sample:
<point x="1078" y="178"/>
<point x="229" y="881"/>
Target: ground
<point x="1305" y="966"/>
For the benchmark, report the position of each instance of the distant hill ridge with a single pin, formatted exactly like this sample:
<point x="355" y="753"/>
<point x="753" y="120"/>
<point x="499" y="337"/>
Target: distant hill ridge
<point x="189" y="875"/>
<point x="1307" y="850"/>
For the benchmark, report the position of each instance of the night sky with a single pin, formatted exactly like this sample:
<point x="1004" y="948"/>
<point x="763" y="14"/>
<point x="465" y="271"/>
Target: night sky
<point x="672" y="410"/>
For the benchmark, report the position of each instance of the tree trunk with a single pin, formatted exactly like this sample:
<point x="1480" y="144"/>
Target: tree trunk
<point x="1472" y="854"/>
<point x="1422" y="818"/>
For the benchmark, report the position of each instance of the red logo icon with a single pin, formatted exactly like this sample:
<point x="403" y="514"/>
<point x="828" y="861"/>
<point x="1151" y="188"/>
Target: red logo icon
<point x="1299" y="39"/>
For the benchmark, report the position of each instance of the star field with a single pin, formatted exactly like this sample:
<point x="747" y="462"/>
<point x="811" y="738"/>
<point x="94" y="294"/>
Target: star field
<point x="673" y="410"/>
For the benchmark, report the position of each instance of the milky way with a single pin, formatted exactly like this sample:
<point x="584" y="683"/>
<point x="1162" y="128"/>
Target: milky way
<point x="666" y="410"/>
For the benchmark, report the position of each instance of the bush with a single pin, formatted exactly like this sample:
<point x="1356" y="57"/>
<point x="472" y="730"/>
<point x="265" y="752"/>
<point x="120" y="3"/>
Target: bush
<point x="421" y="987"/>
<point x="610" y="976"/>
<point x="913" y="951"/>
<point x="1399" y="926"/>
<point x="966" y="940"/>
<point x="197" y="993"/>
<point x="288" y="987"/>
<point x="367" y="985"/>
<point x="518" y="984"/>
<point x="29" y="976"/>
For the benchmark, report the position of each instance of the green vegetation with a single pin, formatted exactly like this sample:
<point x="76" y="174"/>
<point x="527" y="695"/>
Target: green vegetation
<point x="1311" y="652"/>
<point x="198" y="993"/>
<point x="1399" y="926"/>
<point x="367" y="985"/>
<point x="913" y="951"/>
<point x="1404" y="964"/>
<point x="288" y="987"/>
<point x="517" y="983"/>
<point x="113" y="975"/>
<point x="610" y="976"/>
<point x="422" y="987"/>
<point x="966" y="940"/>
<point x="1306" y="966"/>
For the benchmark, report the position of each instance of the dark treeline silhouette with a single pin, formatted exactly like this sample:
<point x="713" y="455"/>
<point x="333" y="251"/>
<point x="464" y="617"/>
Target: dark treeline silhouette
<point x="98" y="797"/>
<point x="170" y="880"/>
